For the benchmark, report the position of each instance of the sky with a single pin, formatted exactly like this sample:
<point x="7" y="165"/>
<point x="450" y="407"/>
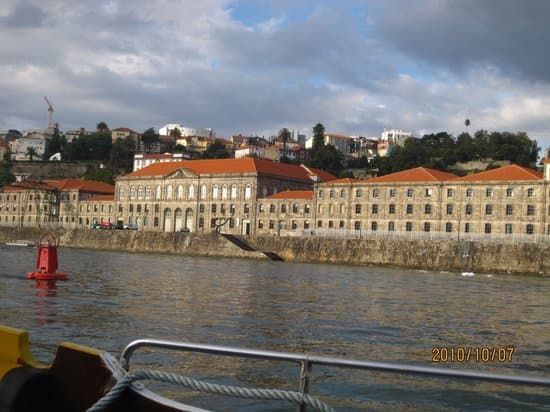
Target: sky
<point x="254" y="67"/>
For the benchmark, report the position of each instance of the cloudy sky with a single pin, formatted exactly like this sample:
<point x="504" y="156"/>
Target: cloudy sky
<point x="253" y="67"/>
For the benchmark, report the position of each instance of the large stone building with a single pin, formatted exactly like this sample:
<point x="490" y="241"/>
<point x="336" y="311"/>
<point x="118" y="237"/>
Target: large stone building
<point x="260" y="197"/>
<point x="48" y="203"/>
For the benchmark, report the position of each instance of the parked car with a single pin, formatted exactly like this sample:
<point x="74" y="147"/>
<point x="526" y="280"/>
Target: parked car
<point x="183" y="229"/>
<point x="131" y="227"/>
<point x="106" y="225"/>
<point x="95" y="225"/>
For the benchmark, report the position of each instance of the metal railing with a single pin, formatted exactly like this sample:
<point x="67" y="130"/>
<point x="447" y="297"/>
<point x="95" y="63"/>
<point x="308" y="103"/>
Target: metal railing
<point x="307" y="362"/>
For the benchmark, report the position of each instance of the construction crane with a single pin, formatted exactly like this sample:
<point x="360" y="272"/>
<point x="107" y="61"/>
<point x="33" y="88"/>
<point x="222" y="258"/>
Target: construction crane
<point x="51" y="126"/>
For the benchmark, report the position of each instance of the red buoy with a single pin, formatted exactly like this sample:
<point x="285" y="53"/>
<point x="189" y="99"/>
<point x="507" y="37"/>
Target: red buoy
<point x="46" y="263"/>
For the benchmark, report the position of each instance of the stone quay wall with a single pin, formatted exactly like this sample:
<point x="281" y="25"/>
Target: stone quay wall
<point x="482" y="257"/>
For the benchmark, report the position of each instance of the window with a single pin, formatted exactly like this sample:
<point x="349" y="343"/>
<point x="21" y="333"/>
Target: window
<point x="203" y="192"/>
<point x="449" y="209"/>
<point x="319" y="223"/>
<point x="169" y="193"/>
<point x="469" y="192"/>
<point x="341" y="224"/>
<point x="158" y="193"/>
<point x="179" y="192"/>
<point x="232" y="209"/>
<point x="191" y="191"/>
<point x="330" y="224"/>
<point x="148" y="193"/>
<point x="119" y="208"/>
<point x="509" y="192"/>
<point x="509" y="210"/>
<point x="530" y="192"/>
<point x="392" y="209"/>
<point x="201" y="208"/>
<point x="214" y="208"/>
<point x="231" y="223"/>
<point x="215" y="192"/>
<point x="138" y="208"/>
<point x="508" y="228"/>
<point x="320" y="194"/>
<point x="427" y="226"/>
<point x="306" y="208"/>
<point x="342" y="193"/>
<point x="157" y="208"/>
<point x="131" y="208"/>
<point x="450" y="192"/>
<point x="294" y="225"/>
<point x="358" y="193"/>
<point x="261" y="208"/>
<point x="357" y="225"/>
<point x="272" y="208"/>
<point x="410" y="192"/>
<point x="357" y="209"/>
<point x="233" y="191"/>
<point x="283" y="208"/>
<point x="428" y="209"/>
<point x="374" y="226"/>
<point x="489" y="192"/>
<point x="393" y="192"/>
<point x="247" y="192"/>
<point x="201" y="222"/>
<point x="306" y="224"/>
<point x="331" y="193"/>
<point x="375" y="193"/>
<point x="121" y="192"/>
<point x="132" y="192"/>
<point x="529" y="229"/>
<point x="391" y="226"/>
<point x="530" y="210"/>
<point x="374" y="209"/>
<point x="488" y="209"/>
<point x="294" y="208"/>
<point x="469" y="209"/>
<point x="224" y="192"/>
<point x="409" y="209"/>
<point x="467" y="227"/>
<point x="428" y="192"/>
<point x="448" y="227"/>
<point x="487" y="228"/>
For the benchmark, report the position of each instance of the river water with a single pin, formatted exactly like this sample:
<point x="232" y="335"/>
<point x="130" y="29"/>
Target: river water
<point x="366" y="313"/>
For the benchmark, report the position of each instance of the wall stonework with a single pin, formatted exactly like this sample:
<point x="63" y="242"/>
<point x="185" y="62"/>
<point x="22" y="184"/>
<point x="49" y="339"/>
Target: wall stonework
<point x="482" y="257"/>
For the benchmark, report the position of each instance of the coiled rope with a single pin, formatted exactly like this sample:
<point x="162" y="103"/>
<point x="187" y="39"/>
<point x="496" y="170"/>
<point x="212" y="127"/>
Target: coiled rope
<point x="197" y="385"/>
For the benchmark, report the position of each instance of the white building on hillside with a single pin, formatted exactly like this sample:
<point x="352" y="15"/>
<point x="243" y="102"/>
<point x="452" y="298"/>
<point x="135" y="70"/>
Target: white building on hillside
<point x="186" y="131"/>
<point x="142" y="160"/>
<point x="395" y="136"/>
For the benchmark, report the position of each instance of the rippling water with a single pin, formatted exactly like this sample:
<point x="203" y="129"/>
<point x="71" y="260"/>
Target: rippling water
<point x="366" y="313"/>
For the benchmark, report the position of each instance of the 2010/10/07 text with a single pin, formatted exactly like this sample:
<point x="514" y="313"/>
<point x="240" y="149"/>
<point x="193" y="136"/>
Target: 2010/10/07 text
<point x="473" y="354"/>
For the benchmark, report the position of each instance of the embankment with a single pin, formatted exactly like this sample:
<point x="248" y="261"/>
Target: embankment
<point x="526" y="258"/>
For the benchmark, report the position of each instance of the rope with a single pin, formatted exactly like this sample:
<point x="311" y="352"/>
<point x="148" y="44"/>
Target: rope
<point x="235" y="391"/>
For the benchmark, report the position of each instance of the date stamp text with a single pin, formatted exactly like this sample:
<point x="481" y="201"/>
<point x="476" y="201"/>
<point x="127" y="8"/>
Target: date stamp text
<point x="463" y="354"/>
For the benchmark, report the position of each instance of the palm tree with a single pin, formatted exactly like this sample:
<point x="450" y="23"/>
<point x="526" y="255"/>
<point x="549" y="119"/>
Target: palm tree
<point x="31" y="152"/>
<point x="284" y="135"/>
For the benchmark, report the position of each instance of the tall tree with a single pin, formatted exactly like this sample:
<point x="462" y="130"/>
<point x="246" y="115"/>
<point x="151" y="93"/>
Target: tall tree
<point x="54" y="144"/>
<point x="149" y="137"/>
<point x="318" y="136"/>
<point x="5" y="175"/>
<point x="216" y="150"/>
<point x="284" y="135"/>
<point x="31" y="153"/>
<point x="102" y="127"/>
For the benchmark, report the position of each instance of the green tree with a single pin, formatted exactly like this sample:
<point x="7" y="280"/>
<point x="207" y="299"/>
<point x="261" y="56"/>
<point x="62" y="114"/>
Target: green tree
<point x="318" y="136"/>
<point x="122" y="155"/>
<point x="149" y="137"/>
<point x="102" y="127"/>
<point x="175" y="133"/>
<point x="5" y="175"/>
<point x="31" y="153"/>
<point x="100" y="175"/>
<point x="216" y="150"/>
<point x="54" y="144"/>
<point x="91" y="147"/>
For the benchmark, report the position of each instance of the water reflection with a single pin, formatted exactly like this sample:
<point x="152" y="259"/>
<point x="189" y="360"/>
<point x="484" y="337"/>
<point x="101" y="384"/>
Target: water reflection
<point x="45" y="307"/>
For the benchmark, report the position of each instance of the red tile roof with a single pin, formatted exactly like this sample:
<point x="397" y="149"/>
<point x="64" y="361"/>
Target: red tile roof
<point x="547" y="160"/>
<point x="345" y="180"/>
<point x="242" y="165"/>
<point x="418" y="174"/>
<point x="292" y="194"/>
<point x="506" y="173"/>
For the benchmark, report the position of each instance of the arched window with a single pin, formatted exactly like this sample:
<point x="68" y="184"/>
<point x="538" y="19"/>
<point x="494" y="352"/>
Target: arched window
<point x="158" y="193"/>
<point x="224" y="192"/>
<point x="132" y="192"/>
<point x="169" y="192"/>
<point x="180" y="192"/>
<point x="247" y="192"/>
<point x="147" y="194"/>
<point x="233" y="191"/>
<point x="215" y="192"/>
<point x="121" y="192"/>
<point x="203" y="192"/>
<point x="140" y="192"/>
<point x="191" y="191"/>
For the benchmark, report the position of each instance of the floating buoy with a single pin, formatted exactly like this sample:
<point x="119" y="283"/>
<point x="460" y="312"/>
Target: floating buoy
<point x="46" y="263"/>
